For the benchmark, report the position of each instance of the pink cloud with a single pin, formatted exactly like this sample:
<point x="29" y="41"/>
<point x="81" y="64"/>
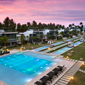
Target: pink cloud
<point x="43" y="10"/>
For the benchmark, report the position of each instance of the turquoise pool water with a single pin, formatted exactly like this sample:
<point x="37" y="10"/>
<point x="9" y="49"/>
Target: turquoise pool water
<point x="45" y="47"/>
<point x="58" y="43"/>
<point x="66" y="48"/>
<point x="20" y="68"/>
<point x="42" y="48"/>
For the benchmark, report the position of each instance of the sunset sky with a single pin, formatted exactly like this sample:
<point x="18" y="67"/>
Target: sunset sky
<point x="63" y="12"/>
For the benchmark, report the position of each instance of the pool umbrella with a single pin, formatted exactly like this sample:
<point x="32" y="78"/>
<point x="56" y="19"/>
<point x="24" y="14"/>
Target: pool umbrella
<point x="44" y="80"/>
<point x="38" y="83"/>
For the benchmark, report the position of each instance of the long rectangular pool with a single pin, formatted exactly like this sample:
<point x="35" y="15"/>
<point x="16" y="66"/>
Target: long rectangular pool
<point x="58" y="52"/>
<point x="19" y="68"/>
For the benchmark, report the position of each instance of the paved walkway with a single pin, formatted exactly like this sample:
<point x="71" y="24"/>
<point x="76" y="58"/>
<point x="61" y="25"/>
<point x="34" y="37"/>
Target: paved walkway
<point x="56" y="47"/>
<point x="67" y="77"/>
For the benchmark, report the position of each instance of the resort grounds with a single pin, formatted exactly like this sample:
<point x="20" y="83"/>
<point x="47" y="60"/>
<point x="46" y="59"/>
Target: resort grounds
<point x="79" y="52"/>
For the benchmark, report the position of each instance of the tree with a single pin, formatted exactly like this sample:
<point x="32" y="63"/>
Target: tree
<point x="12" y="25"/>
<point x="4" y="39"/>
<point x="33" y="38"/>
<point x="40" y="25"/>
<point x="22" y="38"/>
<point x="81" y="26"/>
<point x="7" y="22"/>
<point x="28" y="25"/>
<point x="62" y="33"/>
<point x="24" y="28"/>
<point x="1" y="25"/>
<point x="19" y="27"/>
<point x="34" y="23"/>
<point x="41" y="37"/>
<point x="27" y="38"/>
<point x="70" y="25"/>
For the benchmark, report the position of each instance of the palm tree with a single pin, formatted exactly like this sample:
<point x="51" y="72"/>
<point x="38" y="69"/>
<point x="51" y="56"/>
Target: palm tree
<point x="27" y="38"/>
<point x="19" y="27"/>
<point x="6" y="22"/>
<point x="12" y="25"/>
<point x="62" y="33"/>
<point x="41" y="37"/>
<point x="34" y="23"/>
<point x="81" y="26"/>
<point x="4" y="39"/>
<point x="33" y="38"/>
<point x="22" y="38"/>
<point x="56" y="32"/>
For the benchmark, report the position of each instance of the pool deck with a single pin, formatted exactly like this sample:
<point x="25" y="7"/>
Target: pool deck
<point x="68" y="65"/>
<point x="3" y="83"/>
<point x="67" y="62"/>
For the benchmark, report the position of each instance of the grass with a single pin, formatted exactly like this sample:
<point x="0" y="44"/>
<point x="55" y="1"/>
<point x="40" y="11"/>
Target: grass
<point x="80" y="52"/>
<point x="29" y="47"/>
<point x="59" y="48"/>
<point x="79" y="79"/>
<point x="83" y="67"/>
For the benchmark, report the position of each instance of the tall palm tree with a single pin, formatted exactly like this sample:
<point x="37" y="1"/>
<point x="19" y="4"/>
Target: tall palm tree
<point x="4" y="39"/>
<point x="62" y="33"/>
<point x="19" y="27"/>
<point x="33" y="38"/>
<point x="6" y="22"/>
<point x="81" y="26"/>
<point x="22" y="38"/>
<point x="41" y="37"/>
<point x="12" y="25"/>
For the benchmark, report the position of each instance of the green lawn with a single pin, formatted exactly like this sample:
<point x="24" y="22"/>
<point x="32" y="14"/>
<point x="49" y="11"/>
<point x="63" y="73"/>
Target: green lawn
<point x="83" y="67"/>
<point x="79" y="79"/>
<point x="80" y="52"/>
<point x="28" y="47"/>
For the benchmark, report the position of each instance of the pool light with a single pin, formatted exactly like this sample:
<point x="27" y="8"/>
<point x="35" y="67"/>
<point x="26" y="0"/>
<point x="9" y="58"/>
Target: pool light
<point x="47" y="67"/>
<point x="28" y="80"/>
<point x="39" y="73"/>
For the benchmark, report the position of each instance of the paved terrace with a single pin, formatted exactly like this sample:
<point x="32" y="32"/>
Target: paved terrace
<point x="67" y="77"/>
<point x="56" y="47"/>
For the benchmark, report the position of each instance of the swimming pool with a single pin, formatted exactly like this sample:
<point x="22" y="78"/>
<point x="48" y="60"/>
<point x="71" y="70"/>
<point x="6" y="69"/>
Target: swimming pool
<point x="58" y="43"/>
<point x="66" y="48"/>
<point x="45" y="47"/>
<point x="21" y="67"/>
<point x="42" y="48"/>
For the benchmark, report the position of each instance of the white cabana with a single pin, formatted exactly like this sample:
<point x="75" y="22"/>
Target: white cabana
<point x="81" y="39"/>
<point x="64" y="39"/>
<point x="74" y="37"/>
<point x="70" y="44"/>
<point x="50" y="41"/>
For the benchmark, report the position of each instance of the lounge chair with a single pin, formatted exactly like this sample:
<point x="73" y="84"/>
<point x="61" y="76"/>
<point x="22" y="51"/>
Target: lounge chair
<point x="38" y="83"/>
<point x="45" y="80"/>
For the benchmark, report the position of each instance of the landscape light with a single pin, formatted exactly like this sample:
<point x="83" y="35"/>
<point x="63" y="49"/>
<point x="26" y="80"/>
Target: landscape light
<point x="83" y="63"/>
<point x="72" y="78"/>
